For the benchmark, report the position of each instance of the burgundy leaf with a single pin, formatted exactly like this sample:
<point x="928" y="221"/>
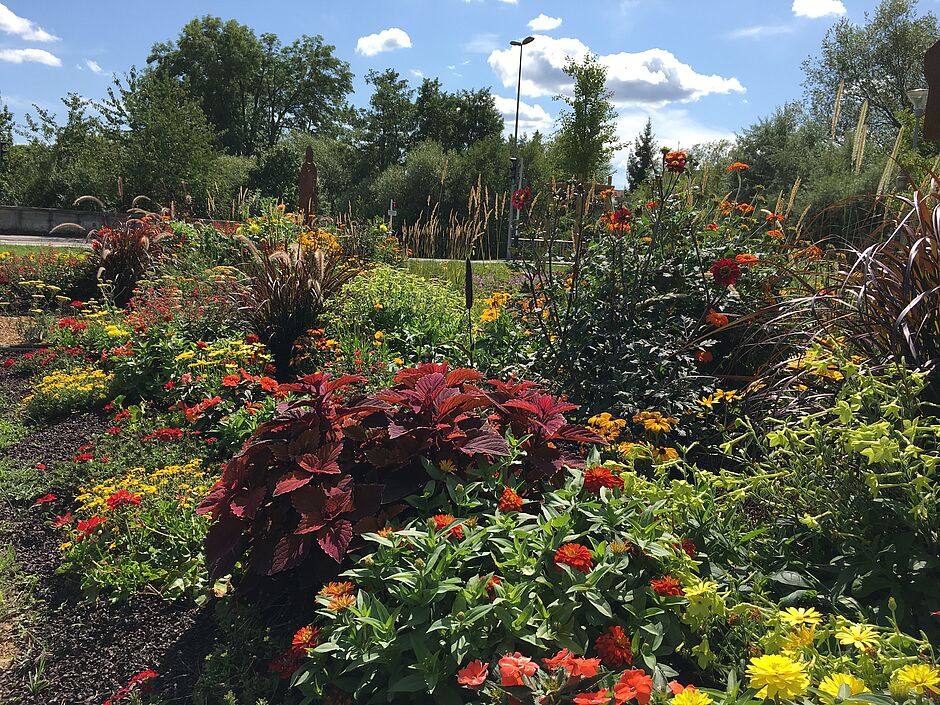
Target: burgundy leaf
<point x="292" y="481"/>
<point x="334" y="539"/>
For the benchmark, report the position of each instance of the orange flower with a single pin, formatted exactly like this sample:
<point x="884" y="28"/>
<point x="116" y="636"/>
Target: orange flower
<point x="442" y="521"/>
<point x="598" y="476"/>
<point x="716" y="319"/>
<point x="473" y="674"/>
<point x="575" y="556"/>
<point x="651" y="205"/>
<point x="614" y="648"/>
<point x="510" y="502"/>
<point x="738" y="166"/>
<point x="712" y="227"/>
<point x="268" y="384"/>
<point x="341" y="602"/>
<point x="558" y="660"/>
<point x="675" y="162"/>
<point x="775" y="234"/>
<point x="633" y="685"/>
<point x="492" y="583"/>
<point x="601" y="697"/>
<point x="337" y="589"/>
<point x="745" y="259"/>
<point x="305" y="638"/>
<point x="513" y="667"/>
<point x="704" y="356"/>
<point x="667" y="586"/>
<point x="745" y="208"/>
<point x="231" y="380"/>
<point x="583" y="667"/>
<point x="774" y="216"/>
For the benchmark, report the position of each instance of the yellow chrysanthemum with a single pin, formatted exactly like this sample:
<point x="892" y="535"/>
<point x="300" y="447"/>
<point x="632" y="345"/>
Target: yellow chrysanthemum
<point x="801" y="616"/>
<point x="861" y="636"/>
<point x="833" y="683"/>
<point x="691" y="696"/>
<point x="918" y="677"/>
<point x="775" y="676"/>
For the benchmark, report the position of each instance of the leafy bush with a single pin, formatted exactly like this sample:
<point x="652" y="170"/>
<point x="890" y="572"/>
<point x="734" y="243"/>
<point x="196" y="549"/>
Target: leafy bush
<point x="419" y="319"/>
<point x="64" y="391"/>
<point x="139" y="531"/>
<point x="330" y="470"/>
<point x="126" y="252"/>
<point x="45" y="280"/>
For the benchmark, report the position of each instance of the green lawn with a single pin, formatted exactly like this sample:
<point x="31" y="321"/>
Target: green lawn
<point x="36" y="249"/>
<point x="452" y="270"/>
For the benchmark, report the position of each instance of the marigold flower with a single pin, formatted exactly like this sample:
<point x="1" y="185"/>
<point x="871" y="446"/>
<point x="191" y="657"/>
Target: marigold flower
<point x="514" y="667"/>
<point x="716" y="319"/>
<point x="725" y="272"/>
<point x="509" y="501"/>
<point x="633" y="685"/>
<point x="598" y="476"/>
<point x="575" y="556"/>
<point x="442" y="521"/>
<point x="667" y="586"/>
<point x="473" y="674"/>
<point x="775" y="676"/>
<point x="675" y="162"/>
<point x="614" y="647"/>
<point x="600" y="697"/>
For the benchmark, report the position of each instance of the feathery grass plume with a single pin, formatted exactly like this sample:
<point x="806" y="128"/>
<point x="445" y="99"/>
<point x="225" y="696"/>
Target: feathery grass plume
<point x="861" y="135"/>
<point x="62" y="227"/>
<point x="81" y="200"/>
<point x="138" y="199"/>
<point x="837" y="110"/>
<point x="888" y="173"/>
<point x="793" y="192"/>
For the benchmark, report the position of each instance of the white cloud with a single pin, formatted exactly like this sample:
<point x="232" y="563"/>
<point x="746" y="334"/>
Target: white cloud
<point x="94" y="67"/>
<point x="482" y="43"/>
<point x="22" y="27"/>
<point x="417" y="74"/>
<point x="386" y="40"/>
<point x="760" y="31"/>
<point x="544" y="23"/>
<point x="653" y="77"/>
<point x="532" y="116"/>
<point x="37" y="56"/>
<point x="818" y="8"/>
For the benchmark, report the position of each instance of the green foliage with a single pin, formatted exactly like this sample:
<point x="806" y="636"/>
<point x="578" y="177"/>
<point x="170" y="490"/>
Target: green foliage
<point x="420" y="319"/>
<point x="62" y="392"/>
<point x="389" y="121"/>
<point x="643" y="157"/>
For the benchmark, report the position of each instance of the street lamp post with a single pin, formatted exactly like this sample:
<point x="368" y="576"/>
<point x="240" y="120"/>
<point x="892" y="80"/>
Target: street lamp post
<point x="918" y="98"/>
<point x="514" y="162"/>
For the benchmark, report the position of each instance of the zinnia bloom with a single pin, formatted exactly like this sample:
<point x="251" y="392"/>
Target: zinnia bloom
<point x="510" y="502"/>
<point x="598" y="476"/>
<point x="336" y="589"/>
<point x="614" y="648"/>
<point x="712" y="227"/>
<point x="513" y="667"/>
<point x="691" y="696"/>
<point x="575" y="556"/>
<point x="473" y="674"/>
<point x="738" y="166"/>
<point x="341" y="602"/>
<point x="442" y="521"/>
<point x="675" y="162"/>
<point x="704" y="356"/>
<point x="745" y="259"/>
<point x="231" y="380"/>
<point x="725" y="272"/>
<point x="919" y="677"/>
<point x="305" y="638"/>
<point x="583" y="667"/>
<point x="633" y="685"/>
<point x="833" y="683"/>
<point x="716" y="319"/>
<point x="667" y="586"/>
<point x="775" y="676"/>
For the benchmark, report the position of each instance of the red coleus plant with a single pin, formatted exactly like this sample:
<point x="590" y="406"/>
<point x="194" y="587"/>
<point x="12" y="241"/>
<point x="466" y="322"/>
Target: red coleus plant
<point x="330" y="468"/>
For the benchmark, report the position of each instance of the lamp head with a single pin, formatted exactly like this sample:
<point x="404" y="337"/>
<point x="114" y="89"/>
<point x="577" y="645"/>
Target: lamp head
<point x="918" y="98"/>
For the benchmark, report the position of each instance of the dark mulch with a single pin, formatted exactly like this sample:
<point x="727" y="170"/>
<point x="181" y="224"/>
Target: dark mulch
<point x="90" y="649"/>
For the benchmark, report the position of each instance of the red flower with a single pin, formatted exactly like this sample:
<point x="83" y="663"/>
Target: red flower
<point x="614" y="648"/>
<point x="688" y="546"/>
<point x="633" y="685"/>
<point x="201" y="344"/>
<point x="122" y="414"/>
<point x="599" y="476"/>
<point x="9" y="362"/>
<point x="45" y="499"/>
<point x="521" y="198"/>
<point x="725" y="272"/>
<point x="284" y="665"/>
<point x="558" y="660"/>
<point x="575" y="556"/>
<point x="675" y="162"/>
<point x="268" y="384"/>
<point x="143" y="680"/>
<point x="473" y="674"/>
<point x="122" y="498"/>
<point x="618" y="220"/>
<point x="712" y="227"/>
<point x="704" y="356"/>
<point x="86" y="527"/>
<point x="164" y="434"/>
<point x="113" y="431"/>
<point x="231" y="380"/>
<point x="442" y="521"/>
<point x="510" y="502"/>
<point x="83" y="457"/>
<point x="601" y="697"/>
<point x="169" y="385"/>
<point x="62" y="521"/>
<point x="583" y="667"/>
<point x="513" y="667"/>
<point x="738" y="166"/>
<point x="492" y="583"/>
<point x="252" y="338"/>
<point x="305" y="638"/>
<point x="40" y="466"/>
<point x="667" y="586"/>
<point x="716" y="318"/>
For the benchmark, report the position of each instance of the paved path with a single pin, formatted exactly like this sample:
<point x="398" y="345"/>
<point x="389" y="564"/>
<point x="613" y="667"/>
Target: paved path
<point x="40" y="241"/>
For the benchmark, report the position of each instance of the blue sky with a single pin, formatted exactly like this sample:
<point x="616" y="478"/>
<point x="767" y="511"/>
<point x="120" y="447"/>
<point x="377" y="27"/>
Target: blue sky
<point x="702" y="69"/>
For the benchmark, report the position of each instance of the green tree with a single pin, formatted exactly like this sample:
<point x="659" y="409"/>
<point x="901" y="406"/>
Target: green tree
<point x="877" y="61"/>
<point x="254" y="90"/>
<point x="6" y="137"/>
<point x="388" y="123"/>
<point x="586" y="136"/>
<point x="454" y="120"/>
<point x="642" y="158"/>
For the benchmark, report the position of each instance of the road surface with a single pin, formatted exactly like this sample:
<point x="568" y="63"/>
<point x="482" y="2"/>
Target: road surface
<point x="40" y="241"/>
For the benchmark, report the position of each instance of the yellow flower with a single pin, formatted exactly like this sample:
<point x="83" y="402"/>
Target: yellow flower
<point x="188" y="355"/>
<point x="701" y="588"/>
<point x="489" y="315"/>
<point x="378" y="336"/>
<point x="801" y="637"/>
<point x="777" y="676"/>
<point x="800" y="616"/>
<point x="918" y="677"/>
<point x="861" y="636"/>
<point x="654" y="421"/>
<point x="833" y="683"/>
<point x="398" y="361"/>
<point x="691" y="696"/>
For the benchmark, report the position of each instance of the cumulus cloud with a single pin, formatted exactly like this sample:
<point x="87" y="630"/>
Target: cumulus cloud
<point x="544" y="23"/>
<point x="653" y="77"/>
<point x="35" y="56"/>
<point x="818" y="8"/>
<point x="12" y="23"/>
<point x="386" y="40"/>
<point x="532" y="117"/>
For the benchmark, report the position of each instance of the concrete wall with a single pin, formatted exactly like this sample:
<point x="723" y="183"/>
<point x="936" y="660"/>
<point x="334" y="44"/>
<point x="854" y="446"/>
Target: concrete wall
<point x="16" y="220"/>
